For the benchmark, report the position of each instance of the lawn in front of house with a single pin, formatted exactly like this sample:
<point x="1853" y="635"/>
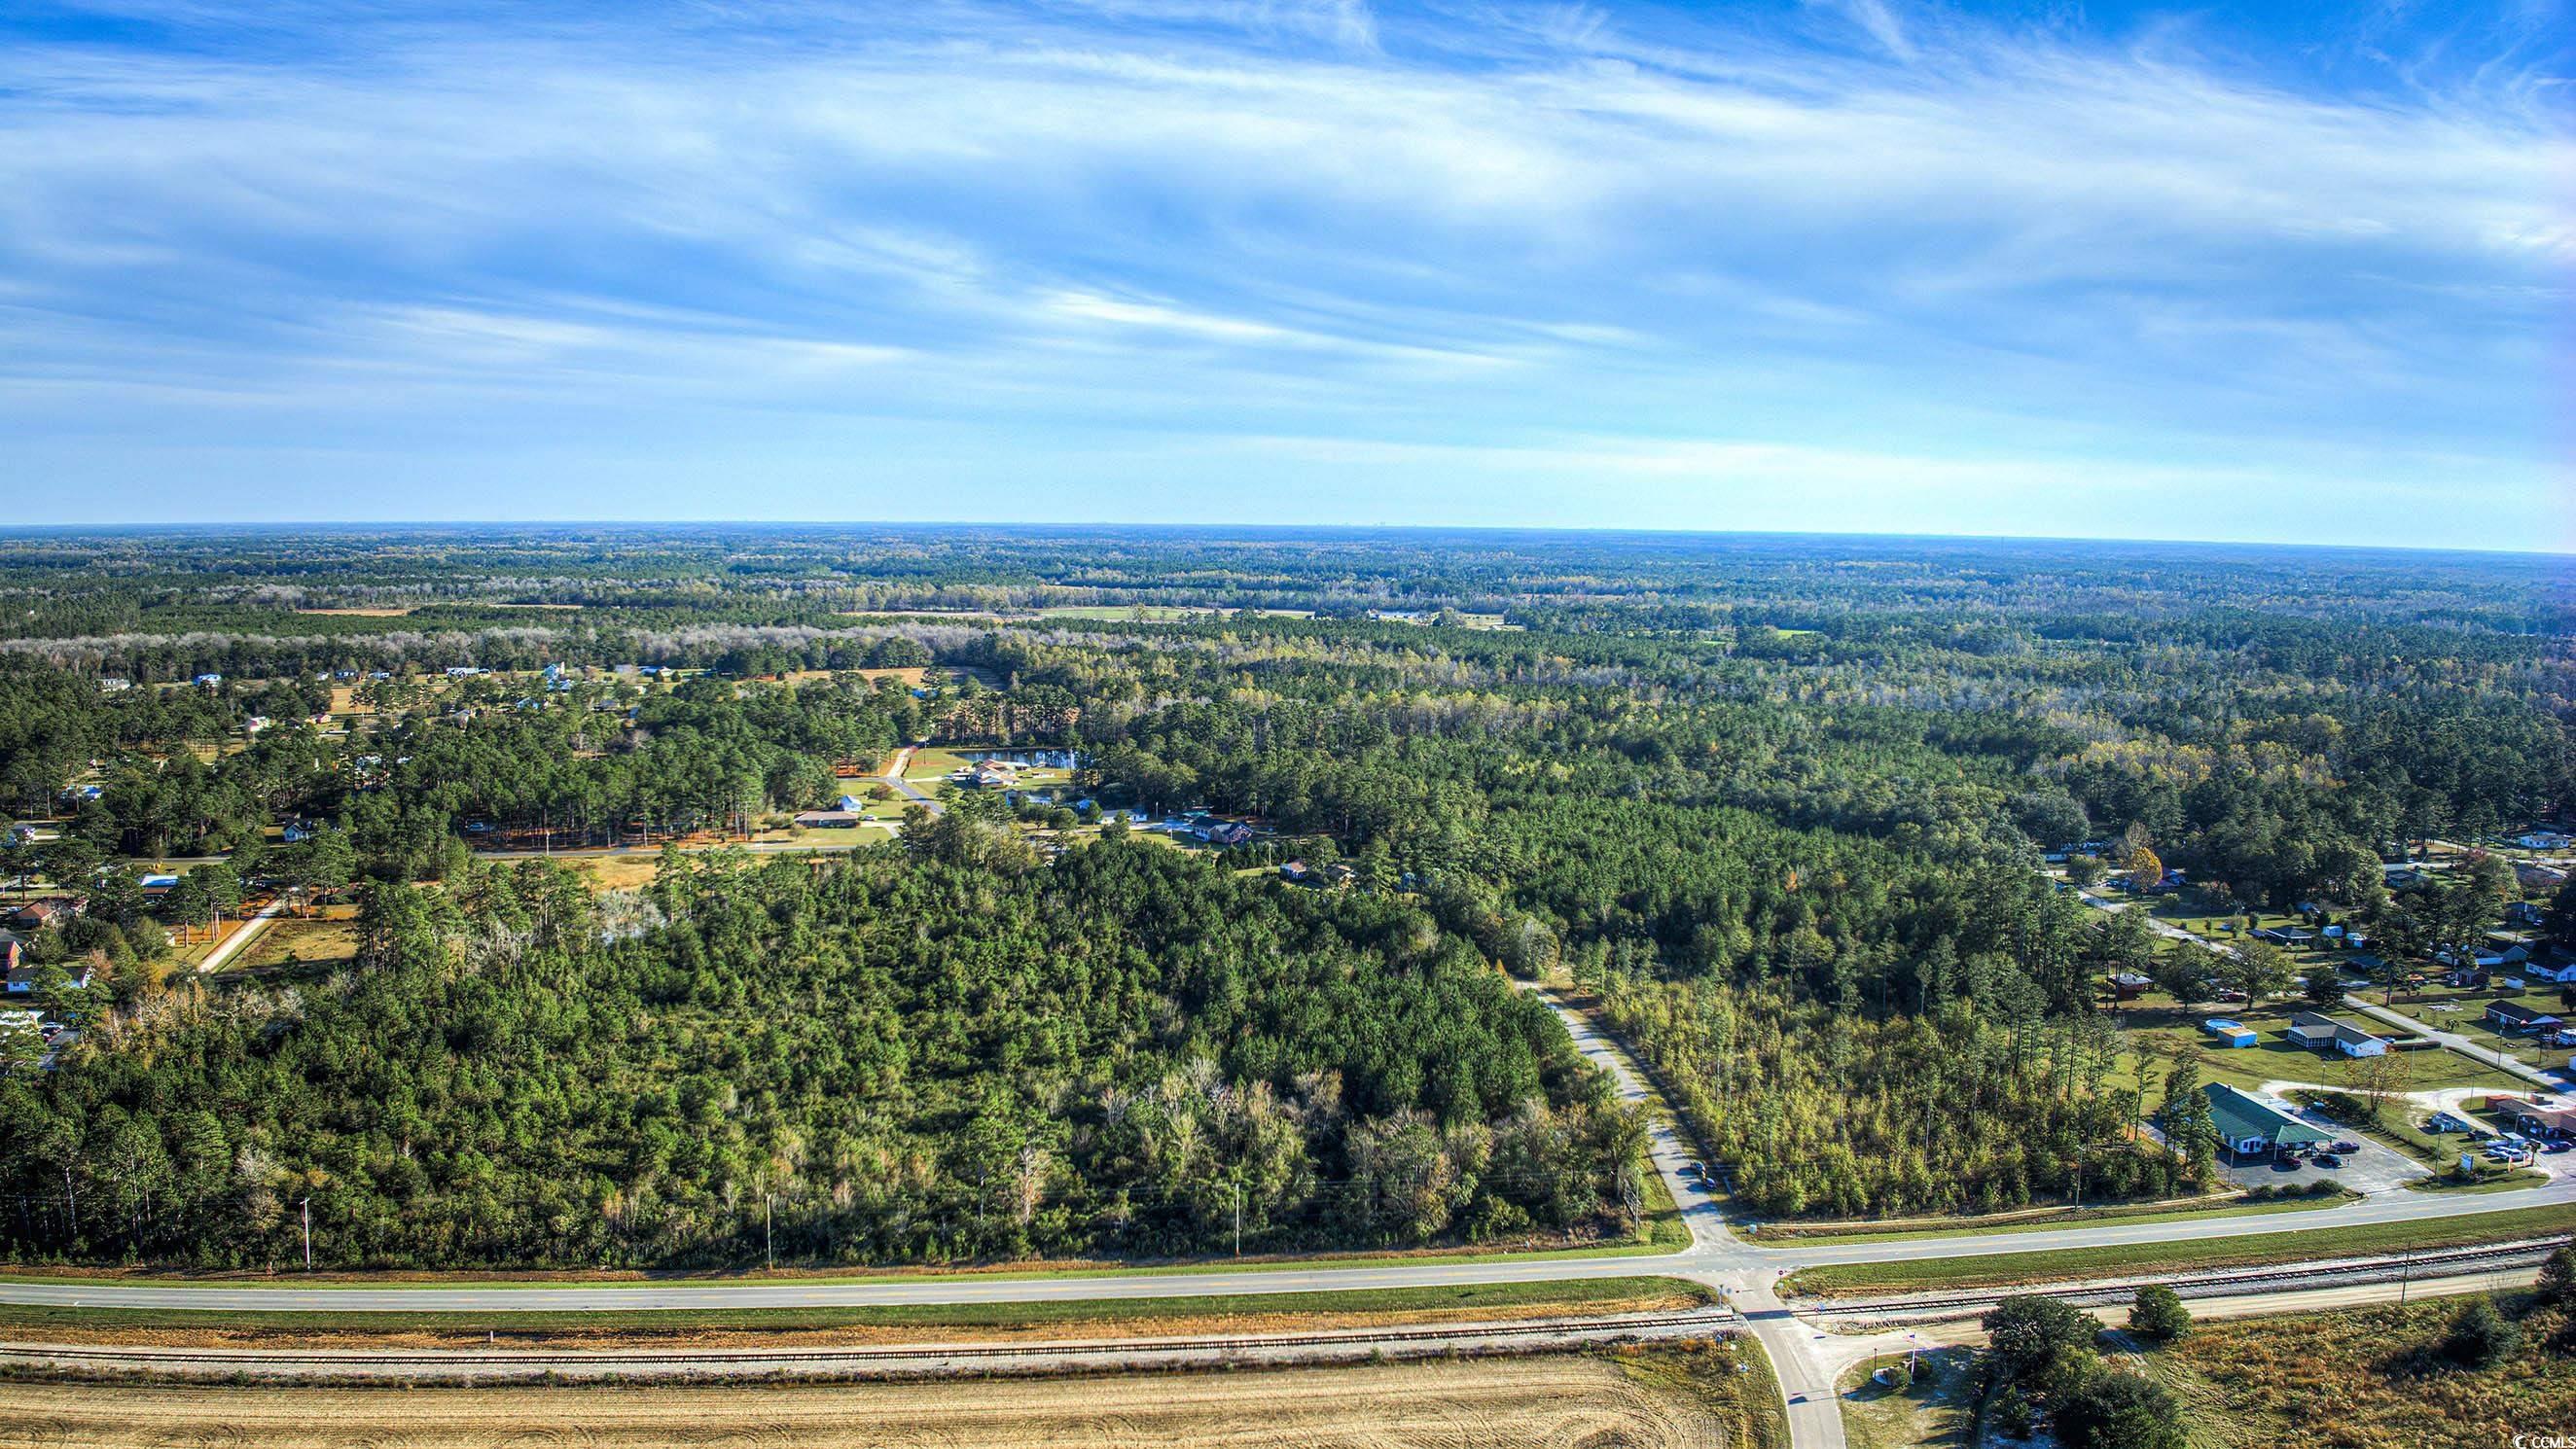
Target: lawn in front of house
<point x="2162" y="1029"/>
<point x="928" y="764"/>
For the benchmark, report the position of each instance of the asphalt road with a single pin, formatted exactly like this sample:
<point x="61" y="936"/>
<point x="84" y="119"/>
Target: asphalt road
<point x="1806" y="1358"/>
<point x="894" y="776"/>
<point x="2553" y="1080"/>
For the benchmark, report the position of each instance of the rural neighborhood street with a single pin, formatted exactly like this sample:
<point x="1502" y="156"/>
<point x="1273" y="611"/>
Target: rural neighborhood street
<point x="893" y="775"/>
<point x="2555" y="1080"/>
<point x="240" y="940"/>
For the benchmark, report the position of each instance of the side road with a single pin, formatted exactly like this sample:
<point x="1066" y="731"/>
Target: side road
<point x="1804" y="1356"/>
<point x="2487" y="1056"/>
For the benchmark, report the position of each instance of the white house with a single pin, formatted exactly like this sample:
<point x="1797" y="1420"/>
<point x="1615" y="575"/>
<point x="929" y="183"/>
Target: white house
<point x="2310" y="1029"/>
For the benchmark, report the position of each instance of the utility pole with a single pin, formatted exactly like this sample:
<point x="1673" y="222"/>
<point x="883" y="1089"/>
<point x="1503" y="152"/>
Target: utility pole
<point x="305" y="1205"/>
<point x="2405" y="1275"/>
<point x="1238" y="1217"/>
<point x="768" y="1243"/>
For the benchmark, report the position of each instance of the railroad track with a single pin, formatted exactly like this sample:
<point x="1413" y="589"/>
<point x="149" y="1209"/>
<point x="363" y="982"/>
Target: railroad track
<point x="857" y="1359"/>
<point x="2323" y="1273"/>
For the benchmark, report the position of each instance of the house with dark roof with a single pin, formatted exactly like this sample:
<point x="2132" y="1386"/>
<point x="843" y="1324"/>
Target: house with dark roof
<point x="46" y="911"/>
<point x="2506" y="1015"/>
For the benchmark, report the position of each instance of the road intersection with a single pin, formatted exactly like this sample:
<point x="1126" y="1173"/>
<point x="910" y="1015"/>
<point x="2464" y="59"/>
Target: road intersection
<point x="1805" y="1357"/>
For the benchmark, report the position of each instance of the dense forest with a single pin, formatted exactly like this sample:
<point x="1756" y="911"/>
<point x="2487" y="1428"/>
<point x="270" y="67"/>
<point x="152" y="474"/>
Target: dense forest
<point x="893" y="1057"/>
<point x="1779" y="802"/>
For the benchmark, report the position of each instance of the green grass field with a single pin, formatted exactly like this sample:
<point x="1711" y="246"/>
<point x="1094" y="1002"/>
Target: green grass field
<point x="2053" y="1222"/>
<point x="2161" y="1029"/>
<point x="1998" y="1270"/>
<point x="1598" y="1295"/>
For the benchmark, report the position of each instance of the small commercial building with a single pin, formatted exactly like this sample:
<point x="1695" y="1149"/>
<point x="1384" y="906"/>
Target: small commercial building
<point x="2535" y="1117"/>
<point x="830" y="819"/>
<point x="2251" y="1126"/>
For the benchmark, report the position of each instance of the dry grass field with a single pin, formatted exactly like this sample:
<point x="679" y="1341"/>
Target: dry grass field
<point x="613" y="872"/>
<point x="2367" y="1377"/>
<point x="327" y="938"/>
<point x="1631" y="1400"/>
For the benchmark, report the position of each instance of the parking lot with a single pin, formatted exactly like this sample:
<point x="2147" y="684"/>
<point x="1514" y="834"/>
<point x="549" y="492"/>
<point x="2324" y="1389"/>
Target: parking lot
<point x="2372" y="1168"/>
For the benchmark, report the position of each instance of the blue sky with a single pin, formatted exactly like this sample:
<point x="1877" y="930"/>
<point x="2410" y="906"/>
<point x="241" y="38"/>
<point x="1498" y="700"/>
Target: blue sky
<point x="2294" y="272"/>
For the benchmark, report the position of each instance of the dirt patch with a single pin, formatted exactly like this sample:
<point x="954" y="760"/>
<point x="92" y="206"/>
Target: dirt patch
<point x="359" y="613"/>
<point x="1548" y="1401"/>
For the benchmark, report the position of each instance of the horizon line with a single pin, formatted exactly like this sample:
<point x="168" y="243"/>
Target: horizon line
<point x="8" y="530"/>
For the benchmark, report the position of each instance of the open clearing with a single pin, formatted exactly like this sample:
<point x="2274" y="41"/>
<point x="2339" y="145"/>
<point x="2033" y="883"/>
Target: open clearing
<point x="328" y="938"/>
<point x="1625" y="1400"/>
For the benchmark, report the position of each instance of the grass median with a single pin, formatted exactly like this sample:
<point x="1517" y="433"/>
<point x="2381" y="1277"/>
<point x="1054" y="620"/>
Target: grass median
<point x="1242" y="1312"/>
<point x="2005" y="1270"/>
<point x="1776" y="1234"/>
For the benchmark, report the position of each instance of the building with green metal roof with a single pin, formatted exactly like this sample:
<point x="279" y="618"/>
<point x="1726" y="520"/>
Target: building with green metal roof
<point x="2250" y="1126"/>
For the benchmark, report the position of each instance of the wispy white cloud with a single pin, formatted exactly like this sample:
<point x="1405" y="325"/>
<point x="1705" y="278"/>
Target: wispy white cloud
<point x="1312" y="215"/>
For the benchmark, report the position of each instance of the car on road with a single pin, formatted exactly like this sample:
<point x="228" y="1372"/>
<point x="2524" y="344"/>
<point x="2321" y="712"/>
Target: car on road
<point x="2327" y="1160"/>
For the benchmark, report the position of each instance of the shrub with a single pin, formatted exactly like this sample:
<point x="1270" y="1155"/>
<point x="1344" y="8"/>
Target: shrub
<point x="2011" y="1412"/>
<point x="2115" y="1410"/>
<point x="2557" y="1283"/>
<point x="2158" y="1314"/>
<point x="2028" y="1334"/>
<point x="2479" y="1336"/>
<point x="1899" y="1377"/>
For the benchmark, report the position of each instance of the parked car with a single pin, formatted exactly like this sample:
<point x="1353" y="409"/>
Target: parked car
<point x="2347" y="1145"/>
<point x="2327" y="1160"/>
<point x="2559" y="1144"/>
